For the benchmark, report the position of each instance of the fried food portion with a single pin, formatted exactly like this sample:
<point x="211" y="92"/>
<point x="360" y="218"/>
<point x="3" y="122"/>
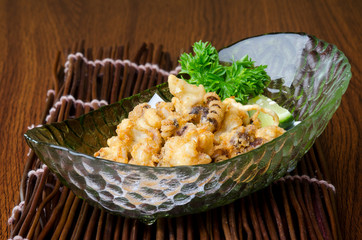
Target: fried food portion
<point x="192" y="146"/>
<point x="269" y="133"/>
<point x="186" y="95"/>
<point x="138" y="138"/>
<point x="215" y="111"/>
<point x="194" y="128"/>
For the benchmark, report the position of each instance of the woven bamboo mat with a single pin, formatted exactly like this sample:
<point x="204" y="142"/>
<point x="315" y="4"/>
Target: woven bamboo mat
<point x="298" y="206"/>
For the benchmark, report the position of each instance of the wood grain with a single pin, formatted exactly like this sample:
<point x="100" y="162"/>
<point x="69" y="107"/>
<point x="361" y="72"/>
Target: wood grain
<point x="31" y="33"/>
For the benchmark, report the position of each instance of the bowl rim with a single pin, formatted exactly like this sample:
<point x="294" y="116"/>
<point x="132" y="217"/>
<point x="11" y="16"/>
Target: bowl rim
<point x="346" y="76"/>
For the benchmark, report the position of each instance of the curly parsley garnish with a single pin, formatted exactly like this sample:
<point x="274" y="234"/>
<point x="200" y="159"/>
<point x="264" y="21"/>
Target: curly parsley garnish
<point x="240" y="79"/>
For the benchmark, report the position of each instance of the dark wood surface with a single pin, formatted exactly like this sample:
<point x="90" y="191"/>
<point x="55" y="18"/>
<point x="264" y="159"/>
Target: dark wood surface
<point x="31" y="33"/>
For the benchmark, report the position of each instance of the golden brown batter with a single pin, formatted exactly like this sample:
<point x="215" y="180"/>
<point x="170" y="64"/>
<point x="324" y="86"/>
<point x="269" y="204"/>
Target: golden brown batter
<point x="194" y="128"/>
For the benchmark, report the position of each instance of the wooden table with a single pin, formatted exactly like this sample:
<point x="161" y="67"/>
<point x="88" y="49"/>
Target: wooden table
<point x="32" y="33"/>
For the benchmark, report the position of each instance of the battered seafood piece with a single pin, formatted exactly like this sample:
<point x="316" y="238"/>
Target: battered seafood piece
<point x="186" y="95"/>
<point x="194" y="128"/>
<point x="138" y="138"/>
<point x="193" y="146"/>
<point x="215" y="111"/>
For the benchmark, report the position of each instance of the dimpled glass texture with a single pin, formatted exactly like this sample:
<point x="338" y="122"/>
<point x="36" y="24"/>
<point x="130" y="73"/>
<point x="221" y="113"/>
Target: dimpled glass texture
<point x="309" y="77"/>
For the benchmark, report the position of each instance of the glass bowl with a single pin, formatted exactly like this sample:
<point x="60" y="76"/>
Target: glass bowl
<point x="309" y="77"/>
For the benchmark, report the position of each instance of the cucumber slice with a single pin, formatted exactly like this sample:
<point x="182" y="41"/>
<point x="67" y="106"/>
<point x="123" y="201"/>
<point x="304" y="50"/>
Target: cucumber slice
<point x="286" y="119"/>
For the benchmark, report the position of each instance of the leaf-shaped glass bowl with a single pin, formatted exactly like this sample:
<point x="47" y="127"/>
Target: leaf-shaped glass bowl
<point x="309" y="77"/>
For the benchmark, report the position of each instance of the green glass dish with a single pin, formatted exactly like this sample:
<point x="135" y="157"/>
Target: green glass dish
<point x="309" y="77"/>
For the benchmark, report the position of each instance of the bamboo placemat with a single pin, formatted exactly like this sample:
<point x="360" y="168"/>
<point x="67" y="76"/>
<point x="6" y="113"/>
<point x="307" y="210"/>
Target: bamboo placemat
<point x="298" y="206"/>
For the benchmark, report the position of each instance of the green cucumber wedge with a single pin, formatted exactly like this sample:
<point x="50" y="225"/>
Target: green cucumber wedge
<point x="286" y="119"/>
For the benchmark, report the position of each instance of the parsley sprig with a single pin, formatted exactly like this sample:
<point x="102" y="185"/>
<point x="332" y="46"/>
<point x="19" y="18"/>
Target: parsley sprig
<point x="240" y="79"/>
